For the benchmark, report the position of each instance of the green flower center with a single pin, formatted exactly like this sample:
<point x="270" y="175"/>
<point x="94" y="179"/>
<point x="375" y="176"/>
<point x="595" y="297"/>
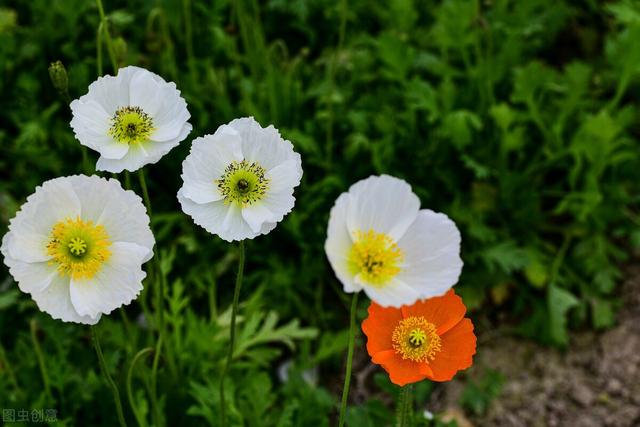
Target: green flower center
<point x="130" y="125"/>
<point x="416" y="339"/>
<point x="243" y="183"/>
<point x="78" y="248"/>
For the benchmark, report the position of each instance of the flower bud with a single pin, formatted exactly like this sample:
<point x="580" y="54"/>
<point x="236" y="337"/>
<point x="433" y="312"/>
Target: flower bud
<point x="58" y="76"/>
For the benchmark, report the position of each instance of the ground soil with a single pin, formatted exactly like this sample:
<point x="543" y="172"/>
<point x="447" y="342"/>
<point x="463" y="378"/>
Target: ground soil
<point x="594" y="382"/>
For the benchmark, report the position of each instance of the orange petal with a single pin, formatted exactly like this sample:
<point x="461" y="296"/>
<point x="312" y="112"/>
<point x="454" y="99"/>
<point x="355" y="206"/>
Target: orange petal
<point x="403" y="371"/>
<point x="383" y="357"/>
<point x="379" y="326"/>
<point x="426" y="370"/>
<point x="444" y="312"/>
<point x="458" y="347"/>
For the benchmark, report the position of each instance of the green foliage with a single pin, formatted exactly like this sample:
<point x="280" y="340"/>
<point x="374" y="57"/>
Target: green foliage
<point x="517" y="119"/>
<point x="477" y="395"/>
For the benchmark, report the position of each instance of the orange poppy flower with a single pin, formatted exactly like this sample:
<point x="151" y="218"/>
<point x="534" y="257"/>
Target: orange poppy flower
<point x="429" y="339"/>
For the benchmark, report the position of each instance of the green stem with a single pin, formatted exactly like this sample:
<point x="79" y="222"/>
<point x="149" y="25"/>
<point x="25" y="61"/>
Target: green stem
<point x="127" y="180"/>
<point x="331" y="79"/>
<point x="107" y="376"/>
<point x="156" y="260"/>
<point x="5" y="366"/>
<point x="145" y="192"/>
<point x="107" y="36"/>
<point x="39" y="355"/>
<point x="232" y="332"/>
<point x="154" y="382"/>
<point x="99" y="49"/>
<point x="134" y="408"/>
<point x="404" y="408"/>
<point x="159" y="291"/>
<point x="188" y="30"/>
<point x="347" y="375"/>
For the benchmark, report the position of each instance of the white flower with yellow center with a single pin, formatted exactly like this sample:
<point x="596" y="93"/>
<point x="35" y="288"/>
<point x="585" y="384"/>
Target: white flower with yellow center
<point x="132" y="119"/>
<point x="77" y="246"/>
<point x="238" y="182"/>
<point x="380" y="241"/>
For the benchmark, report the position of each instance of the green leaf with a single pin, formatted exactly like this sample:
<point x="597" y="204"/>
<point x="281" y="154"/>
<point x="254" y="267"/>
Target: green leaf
<point x="260" y="329"/>
<point x="559" y="301"/>
<point x="460" y="126"/>
<point x="602" y="313"/>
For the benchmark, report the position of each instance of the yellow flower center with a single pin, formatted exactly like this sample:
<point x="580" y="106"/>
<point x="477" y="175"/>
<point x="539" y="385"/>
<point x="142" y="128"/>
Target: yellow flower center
<point x="243" y="183"/>
<point x="375" y="257"/>
<point x="416" y="339"/>
<point x="130" y="125"/>
<point x="78" y="248"/>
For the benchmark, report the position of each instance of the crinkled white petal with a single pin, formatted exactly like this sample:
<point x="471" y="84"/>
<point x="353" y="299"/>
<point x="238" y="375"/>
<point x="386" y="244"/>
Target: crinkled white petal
<point x="429" y="242"/>
<point x="431" y="248"/>
<point x="30" y="276"/>
<point x="30" y="229"/>
<point x="384" y="204"/>
<point x="217" y="218"/>
<point x="241" y="139"/>
<point x="95" y="199"/>
<point x="207" y="159"/>
<point x="394" y="294"/>
<point x="56" y="301"/>
<point x="171" y="118"/>
<point x="132" y="87"/>
<point x="117" y="283"/>
<point x="141" y="154"/>
<point x="339" y="244"/>
<point x="146" y="93"/>
<point x="285" y="175"/>
<point x="256" y="215"/>
<point x="121" y="212"/>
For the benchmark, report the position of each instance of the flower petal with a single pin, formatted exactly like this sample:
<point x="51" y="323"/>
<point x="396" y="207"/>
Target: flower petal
<point x="121" y="212"/>
<point x="431" y="248"/>
<point x="383" y="204"/>
<point x="444" y="312"/>
<point x="55" y="300"/>
<point x="117" y="283"/>
<point x="211" y="217"/>
<point x="30" y="276"/>
<point x="458" y="347"/>
<point x="285" y="176"/>
<point x="394" y="294"/>
<point x="145" y="92"/>
<point x="264" y="145"/>
<point x="379" y="327"/>
<point x="206" y="162"/>
<point x="339" y="243"/>
<point x="255" y="215"/>
<point x="403" y="371"/>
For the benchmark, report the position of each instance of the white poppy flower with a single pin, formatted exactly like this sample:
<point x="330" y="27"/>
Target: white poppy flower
<point x="379" y="241"/>
<point x="77" y="246"/>
<point x="132" y="119"/>
<point x="238" y="182"/>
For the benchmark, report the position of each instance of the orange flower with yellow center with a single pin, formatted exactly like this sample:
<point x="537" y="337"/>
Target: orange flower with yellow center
<point x="429" y="339"/>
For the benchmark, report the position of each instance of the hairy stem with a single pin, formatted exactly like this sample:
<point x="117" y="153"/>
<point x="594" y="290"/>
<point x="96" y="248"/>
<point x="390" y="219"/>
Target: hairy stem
<point x="232" y="332"/>
<point x="347" y="375"/>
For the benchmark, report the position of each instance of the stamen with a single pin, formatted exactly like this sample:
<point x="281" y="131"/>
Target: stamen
<point x="375" y="257"/>
<point x="131" y="125"/>
<point x="78" y="248"/>
<point x="416" y="339"/>
<point x="243" y="183"/>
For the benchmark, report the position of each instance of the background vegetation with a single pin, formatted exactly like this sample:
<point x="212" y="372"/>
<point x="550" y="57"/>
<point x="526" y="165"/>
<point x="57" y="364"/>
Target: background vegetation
<point x="517" y="119"/>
